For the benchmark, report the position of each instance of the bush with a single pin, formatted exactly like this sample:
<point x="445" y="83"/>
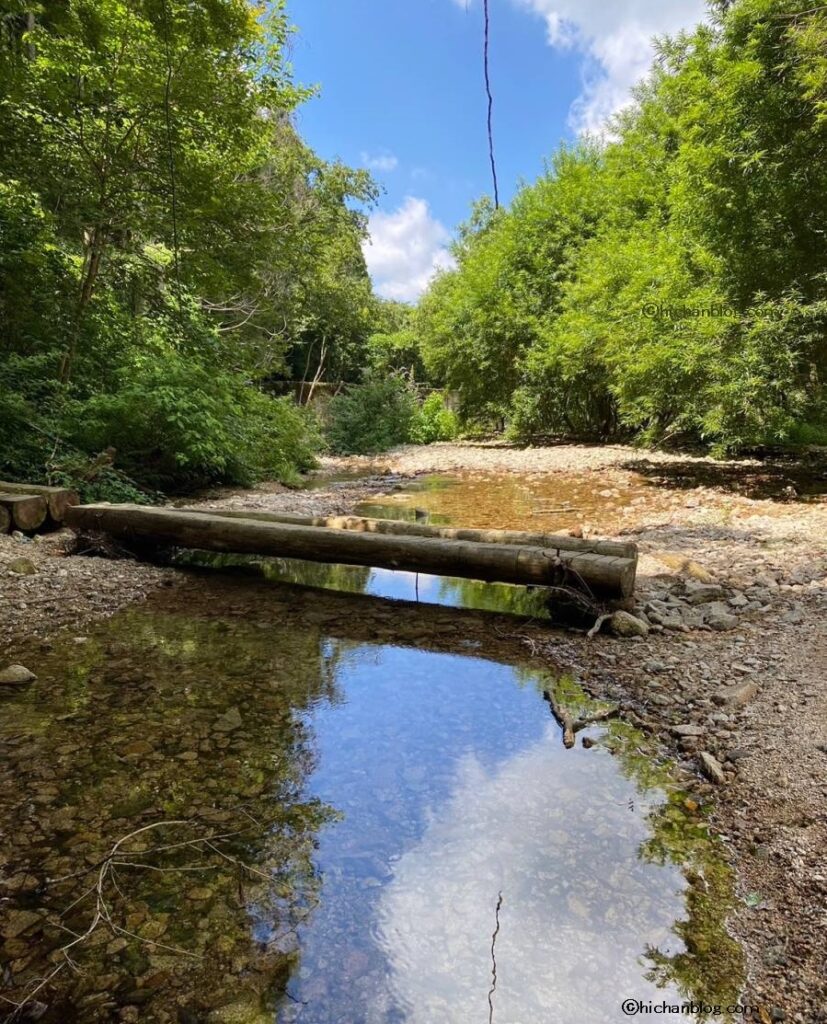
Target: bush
<point x="434" y="421"/>
<point x="372" y="417"/>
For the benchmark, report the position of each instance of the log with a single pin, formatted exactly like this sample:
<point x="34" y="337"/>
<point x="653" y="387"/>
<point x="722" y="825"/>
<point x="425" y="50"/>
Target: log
<point x="58" y="499"/>
<point x="5" y="520"/>
<point x="504" y="563"/>
<point x="403" y="528"/>
<point x="26" y="511"/>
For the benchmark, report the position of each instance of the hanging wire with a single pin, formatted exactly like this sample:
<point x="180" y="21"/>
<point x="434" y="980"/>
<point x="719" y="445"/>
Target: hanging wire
<point x="487" y="17"/>
<point x="171" y="155"/>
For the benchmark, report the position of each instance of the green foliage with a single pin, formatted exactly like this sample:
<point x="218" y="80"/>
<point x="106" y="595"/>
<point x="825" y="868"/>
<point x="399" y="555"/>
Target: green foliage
<point x="671" y="283"/>
<point x="434" y="421"/>
<point x="372" y="417"/>
<point x="167" y="244"/>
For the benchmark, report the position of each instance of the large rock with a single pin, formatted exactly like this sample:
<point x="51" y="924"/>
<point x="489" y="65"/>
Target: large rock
<point x="703" y="593"/>
<point x="16" y="675"/>
<point x="735" y="696"/>
<point x="625" y="624"/>
<point x="711" y="767"/>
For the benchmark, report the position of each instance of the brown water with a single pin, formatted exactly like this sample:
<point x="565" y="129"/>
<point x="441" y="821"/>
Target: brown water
<point x="504" y="501"/>
<point x="334" y="794"/>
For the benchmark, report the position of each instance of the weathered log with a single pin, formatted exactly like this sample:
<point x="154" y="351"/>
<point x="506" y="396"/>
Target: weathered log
<point x="58" y="499"/>
<point x="5" y="520"/>
<point x="27" y="511"/>
<point x="505" y="563"/>
<point x="403" y="528"/>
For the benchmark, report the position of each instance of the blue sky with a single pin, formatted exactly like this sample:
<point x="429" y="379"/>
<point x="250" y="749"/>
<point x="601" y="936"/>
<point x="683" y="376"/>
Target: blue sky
<point x="401" y="92"/>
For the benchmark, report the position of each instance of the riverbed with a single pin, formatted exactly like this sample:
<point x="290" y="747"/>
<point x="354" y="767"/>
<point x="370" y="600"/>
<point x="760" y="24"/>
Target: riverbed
<point x="379" y="773"/>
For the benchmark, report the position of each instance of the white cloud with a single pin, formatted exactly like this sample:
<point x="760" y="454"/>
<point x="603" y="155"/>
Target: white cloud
<point x="616" y="40"/>
<point x="380" y="162"/>
<point x="405" y="249"/>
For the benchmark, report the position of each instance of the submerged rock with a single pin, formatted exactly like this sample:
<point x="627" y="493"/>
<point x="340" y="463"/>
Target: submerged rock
<point x="16" y="675"/>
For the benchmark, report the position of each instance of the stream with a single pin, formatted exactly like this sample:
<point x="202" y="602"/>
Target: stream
<point x="255" y="802"/>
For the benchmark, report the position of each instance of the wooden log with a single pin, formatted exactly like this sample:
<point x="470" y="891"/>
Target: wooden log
<point x="58" y="499"/>
<point x="26" y="511"/>
<point x="505" y="563"/>
<point x="5" y="520"/>
<point x="403" y="528"/>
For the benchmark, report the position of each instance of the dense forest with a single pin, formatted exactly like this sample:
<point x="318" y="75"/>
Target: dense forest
<point x="670" y="284"/>
<point x="173" y="255"/>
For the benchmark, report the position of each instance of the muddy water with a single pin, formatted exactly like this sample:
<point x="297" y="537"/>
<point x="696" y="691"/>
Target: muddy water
<point x="326" y="800"/>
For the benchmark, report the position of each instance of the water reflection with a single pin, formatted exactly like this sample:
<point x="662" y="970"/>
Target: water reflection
<point x="378" y="793"/>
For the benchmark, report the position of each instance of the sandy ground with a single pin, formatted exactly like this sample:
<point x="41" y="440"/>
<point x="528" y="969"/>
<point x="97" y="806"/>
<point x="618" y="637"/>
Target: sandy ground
<point x="752" y="691"/>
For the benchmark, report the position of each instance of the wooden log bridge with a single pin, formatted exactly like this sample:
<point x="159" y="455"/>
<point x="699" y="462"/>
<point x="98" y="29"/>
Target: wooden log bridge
<point x="491" y="556"/>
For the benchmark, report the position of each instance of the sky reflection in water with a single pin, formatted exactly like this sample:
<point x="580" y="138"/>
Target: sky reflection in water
<point x="455" y="787"/>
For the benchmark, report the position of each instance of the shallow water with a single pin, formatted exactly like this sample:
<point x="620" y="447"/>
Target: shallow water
<point x="356" y="784"/>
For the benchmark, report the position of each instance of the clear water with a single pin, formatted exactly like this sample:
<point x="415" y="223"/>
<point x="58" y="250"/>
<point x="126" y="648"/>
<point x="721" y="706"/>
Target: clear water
<point x="372" y="779"/>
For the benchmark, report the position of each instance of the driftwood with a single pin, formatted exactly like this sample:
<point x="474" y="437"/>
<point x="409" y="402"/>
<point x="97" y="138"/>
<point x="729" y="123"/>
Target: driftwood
<point x="27" y="512"/>
<point x="490" y="562"/>
<point x="563" y="718"/>
<point x="58" y="499"/>
<point x="569" y="725"/>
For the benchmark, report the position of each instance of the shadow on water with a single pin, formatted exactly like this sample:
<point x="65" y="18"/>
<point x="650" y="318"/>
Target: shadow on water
<point x="356" y="783"/>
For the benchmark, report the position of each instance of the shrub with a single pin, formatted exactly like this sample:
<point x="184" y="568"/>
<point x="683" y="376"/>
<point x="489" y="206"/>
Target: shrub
<point x="372" y="417"/>
<point x="434" y="421"/>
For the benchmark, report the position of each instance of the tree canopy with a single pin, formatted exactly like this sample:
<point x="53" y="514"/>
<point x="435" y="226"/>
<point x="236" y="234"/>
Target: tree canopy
<point x="669" y="282"/>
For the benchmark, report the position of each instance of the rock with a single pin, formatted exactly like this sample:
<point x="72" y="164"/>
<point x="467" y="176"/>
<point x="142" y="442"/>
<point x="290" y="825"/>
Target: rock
<point x="688" y="730"/>
<point x="229" y="721"/>
<point x="16" y="675"/>
<point x="794" y="616"/>
<point x="735" y="696"/>
<point x="722" y="622"/>
<point x="19" y="921"/>
<point x="703" y="593"/>
<point x="22" y="566"/>
<point x="137" y="748"/>
<point x="625" y="624"/>
<point x="711" y="767"/>
<point x="240" y="1013"/>
<point x="739" y="601"/>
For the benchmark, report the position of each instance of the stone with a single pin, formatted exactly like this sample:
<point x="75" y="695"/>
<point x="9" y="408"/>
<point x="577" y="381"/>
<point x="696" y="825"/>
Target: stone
<point x="722" y="622"/>
<point x="137" y="748"/>
<point x="229" y="721"/>
<point x="711" y="767"/>
<point x="703" y="593"/>
<point x="19" y="921"/>
<point x="16" y="675"/>
<point x="688" y="730"/>
<point x="625" y="624"/>
<point x="735" y="696"/>
<point x="22" y="566"/>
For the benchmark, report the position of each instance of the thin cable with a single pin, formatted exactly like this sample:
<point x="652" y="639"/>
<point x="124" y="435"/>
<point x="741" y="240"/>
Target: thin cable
<point x="171" y="155"/>
<point x="490" y="106"/>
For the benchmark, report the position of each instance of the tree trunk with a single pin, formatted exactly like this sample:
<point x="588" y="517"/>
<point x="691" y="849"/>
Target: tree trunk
<point x="26" y="511"/>
<point x="505" y="563"/>
<point x="561" y="543"/>
<point x="58" y="499"/>
<point x="92" y="261"/>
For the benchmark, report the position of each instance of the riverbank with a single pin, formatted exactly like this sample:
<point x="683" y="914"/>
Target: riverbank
<point x="732" y="592"/>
